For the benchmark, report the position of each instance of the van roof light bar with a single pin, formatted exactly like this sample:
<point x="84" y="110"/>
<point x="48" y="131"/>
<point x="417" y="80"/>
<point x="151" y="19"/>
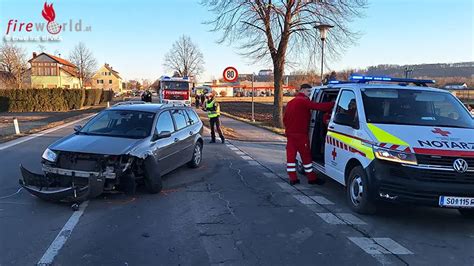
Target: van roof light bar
<point x="367" y="79"/>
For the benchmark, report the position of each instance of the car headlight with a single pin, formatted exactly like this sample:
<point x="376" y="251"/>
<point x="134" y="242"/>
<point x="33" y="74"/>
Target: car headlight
<point x="395" y="156"/>
<point x="49" y="155"/>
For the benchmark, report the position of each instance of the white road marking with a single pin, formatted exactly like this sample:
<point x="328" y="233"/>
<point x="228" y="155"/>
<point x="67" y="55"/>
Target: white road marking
<point x="234" y="148"/>
<point x="12" y="143"/>
<point x="349" y="218"/>
<point x="330" y="218"/>
<point x="254" y="163"/>
<point x="239" y="153"/>
<point x="62" y="237"/>
<point x="392" y="246"/>
<point x="303" y="199"/>
<point x="285" y="186"/>
<point x="248" y="158"/>
<point x="382" y="245"/>
<point x="270" y="175"/>
<point x="322" y="200"/>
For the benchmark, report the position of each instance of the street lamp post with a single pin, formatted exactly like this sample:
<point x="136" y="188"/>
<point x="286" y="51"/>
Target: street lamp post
<point x="323" y="31"/>
<point x="253" y="92"/>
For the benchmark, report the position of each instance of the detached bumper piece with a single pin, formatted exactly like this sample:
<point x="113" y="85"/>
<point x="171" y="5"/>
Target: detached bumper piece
<point x="62" y="187"/>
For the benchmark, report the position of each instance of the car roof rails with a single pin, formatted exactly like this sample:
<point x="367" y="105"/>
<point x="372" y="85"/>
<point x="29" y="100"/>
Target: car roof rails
<point x="173" y="105"/>
<point x="367" y="79"/>
<point x="129" y="103"/>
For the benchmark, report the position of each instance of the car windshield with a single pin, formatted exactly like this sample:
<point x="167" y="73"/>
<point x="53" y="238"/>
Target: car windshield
<point x="414" y="107"/>
<point x="175" y="85"/>
<point x="120" y="123"/>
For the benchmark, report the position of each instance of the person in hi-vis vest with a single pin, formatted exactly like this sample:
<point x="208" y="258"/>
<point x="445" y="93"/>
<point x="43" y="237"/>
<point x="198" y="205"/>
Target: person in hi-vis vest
<point x="213" y="112"/>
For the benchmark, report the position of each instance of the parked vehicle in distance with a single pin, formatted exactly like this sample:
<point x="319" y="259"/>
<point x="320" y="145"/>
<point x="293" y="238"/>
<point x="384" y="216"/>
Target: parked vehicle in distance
<point x="120" y="146"/>
<point x="395" y="142"/>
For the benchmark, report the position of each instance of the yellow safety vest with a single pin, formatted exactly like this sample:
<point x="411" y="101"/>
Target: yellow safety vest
<point x="213" y="109"/>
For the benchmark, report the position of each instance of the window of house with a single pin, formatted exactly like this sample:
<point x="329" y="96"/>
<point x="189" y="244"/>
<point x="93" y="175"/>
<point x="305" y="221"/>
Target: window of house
<point x="47" y="71"/>
<point x="110" y="81"/>
<point x="53" y="71"/>
<point x="98" y="81"/>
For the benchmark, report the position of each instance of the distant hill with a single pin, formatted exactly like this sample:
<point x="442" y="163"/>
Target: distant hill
<point x="459" y="70"/>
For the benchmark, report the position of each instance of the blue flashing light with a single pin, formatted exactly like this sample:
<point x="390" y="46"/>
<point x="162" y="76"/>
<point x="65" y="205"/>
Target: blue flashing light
<point x="166" y="77"/>
<point x="365" y="79"/>
<point x="185" y="77"/>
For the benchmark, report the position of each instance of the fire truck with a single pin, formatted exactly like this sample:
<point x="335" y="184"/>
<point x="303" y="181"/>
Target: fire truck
<point x="174" y="90"/>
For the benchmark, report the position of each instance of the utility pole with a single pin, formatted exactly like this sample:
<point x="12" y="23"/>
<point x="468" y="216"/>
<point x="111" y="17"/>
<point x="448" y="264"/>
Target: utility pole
<point x="253" y="93"/>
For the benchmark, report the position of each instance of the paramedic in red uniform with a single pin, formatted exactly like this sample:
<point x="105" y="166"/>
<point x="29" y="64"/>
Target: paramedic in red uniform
<point x="296" y="120"/>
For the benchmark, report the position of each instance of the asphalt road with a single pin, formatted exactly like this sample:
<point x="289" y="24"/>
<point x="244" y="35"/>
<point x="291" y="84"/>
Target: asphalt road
<point x="234" y="210"/>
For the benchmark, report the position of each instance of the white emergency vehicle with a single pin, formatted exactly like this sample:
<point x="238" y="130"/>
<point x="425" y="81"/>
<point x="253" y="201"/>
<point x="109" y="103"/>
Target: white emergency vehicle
<point x="387" y="140"/>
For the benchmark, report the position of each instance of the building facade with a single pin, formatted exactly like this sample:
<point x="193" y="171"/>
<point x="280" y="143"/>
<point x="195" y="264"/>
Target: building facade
<point x="49" y="71"/>
<point x="108" y="79"/>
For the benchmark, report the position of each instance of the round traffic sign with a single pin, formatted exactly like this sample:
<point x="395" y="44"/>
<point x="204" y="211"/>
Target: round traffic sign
<point x="230" y="74"/>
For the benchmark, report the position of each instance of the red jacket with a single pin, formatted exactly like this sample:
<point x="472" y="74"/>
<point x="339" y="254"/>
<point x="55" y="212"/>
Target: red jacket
<point x="298" y="114"/>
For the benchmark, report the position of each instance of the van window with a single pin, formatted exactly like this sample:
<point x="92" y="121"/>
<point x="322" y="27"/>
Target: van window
<point x="180" y="118"/>
<point x="347" y="105"/>
<point x="165" y="123"/>
<point x="414" y="107"/>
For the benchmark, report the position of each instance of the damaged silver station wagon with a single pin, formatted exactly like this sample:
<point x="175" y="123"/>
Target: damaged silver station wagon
<point x="128" y="143"/>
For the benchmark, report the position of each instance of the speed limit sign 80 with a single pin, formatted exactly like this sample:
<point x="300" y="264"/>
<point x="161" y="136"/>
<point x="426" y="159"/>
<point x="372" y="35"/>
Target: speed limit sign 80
<point x="230" y="74"/>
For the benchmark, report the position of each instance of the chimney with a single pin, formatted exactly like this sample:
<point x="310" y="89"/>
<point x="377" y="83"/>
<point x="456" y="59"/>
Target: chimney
<point x="34" y="54"/>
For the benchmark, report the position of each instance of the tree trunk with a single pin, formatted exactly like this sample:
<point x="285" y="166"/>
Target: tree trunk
<point x="278" y="69"/>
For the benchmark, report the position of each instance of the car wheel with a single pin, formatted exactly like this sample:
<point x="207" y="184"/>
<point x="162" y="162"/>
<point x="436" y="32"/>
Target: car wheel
<point x="197" y="156"/>
<point x="468" y="213"/>
<point x="153" y="184"/>
<point x="357" y="192"/>
<point x="300" y="168"/>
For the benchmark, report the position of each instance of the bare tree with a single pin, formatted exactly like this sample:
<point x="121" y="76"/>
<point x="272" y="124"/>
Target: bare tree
<point x="83" y="58"/>
<point x="184" y="58"/>
<point x="13" y="63"/>
<point x="281" y="30"/>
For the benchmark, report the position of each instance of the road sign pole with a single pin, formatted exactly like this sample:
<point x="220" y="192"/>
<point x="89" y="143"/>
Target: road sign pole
<point x="253" y="93"/>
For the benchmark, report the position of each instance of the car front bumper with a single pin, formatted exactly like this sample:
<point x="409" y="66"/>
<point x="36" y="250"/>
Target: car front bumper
<point x="64" y="185"/>
<point x="397" y="183"/>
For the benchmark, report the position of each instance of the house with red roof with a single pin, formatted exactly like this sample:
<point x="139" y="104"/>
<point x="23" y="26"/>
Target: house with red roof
<point x="49" y="71"/>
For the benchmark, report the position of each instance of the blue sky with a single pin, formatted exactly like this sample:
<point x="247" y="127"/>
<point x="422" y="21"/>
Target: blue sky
<point x="133" y="36"/>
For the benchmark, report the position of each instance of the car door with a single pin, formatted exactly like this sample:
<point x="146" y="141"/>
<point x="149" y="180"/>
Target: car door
<point x="165" y="148"/>
<point x="183" y="136"/>
<point x="343" y="125"/>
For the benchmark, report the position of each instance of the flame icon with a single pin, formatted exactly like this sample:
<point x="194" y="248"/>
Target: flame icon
<point x="48" y="13"/>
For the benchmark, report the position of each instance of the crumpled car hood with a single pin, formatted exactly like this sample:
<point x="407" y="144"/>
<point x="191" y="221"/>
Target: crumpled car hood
<point x="95" y="144"/>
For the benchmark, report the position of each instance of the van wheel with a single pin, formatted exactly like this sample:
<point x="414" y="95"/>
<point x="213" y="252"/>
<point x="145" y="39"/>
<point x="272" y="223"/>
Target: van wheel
<point x="468" y="213"/>
<point x="197" y="156"/>
<point x="357" y="192"/>
<point x="299" y="167"/>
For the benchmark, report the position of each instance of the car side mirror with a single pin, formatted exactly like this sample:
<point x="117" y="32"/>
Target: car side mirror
<point x="346" y="120"/>
<point x="161" y="135"/>
<point x="77" y="128"/>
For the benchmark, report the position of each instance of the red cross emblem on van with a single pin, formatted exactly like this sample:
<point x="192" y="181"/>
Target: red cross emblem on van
<point x="443" y="133"/>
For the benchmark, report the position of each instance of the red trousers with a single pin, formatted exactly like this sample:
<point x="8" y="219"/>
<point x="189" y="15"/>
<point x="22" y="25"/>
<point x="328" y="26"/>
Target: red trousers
<point x="299" y="143"/>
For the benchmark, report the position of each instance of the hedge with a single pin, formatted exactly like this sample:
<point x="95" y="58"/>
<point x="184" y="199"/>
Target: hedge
<point x="93" y="97"/>
<point x="50" y="100"/>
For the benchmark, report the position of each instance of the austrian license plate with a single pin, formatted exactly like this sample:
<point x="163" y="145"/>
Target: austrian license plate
<point x="456" y="202"/>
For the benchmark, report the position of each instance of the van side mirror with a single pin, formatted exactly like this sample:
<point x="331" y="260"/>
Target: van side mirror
<point x="161" y="135"/>
<point x="346" y="120"/>
<point x="77" y="128"/>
